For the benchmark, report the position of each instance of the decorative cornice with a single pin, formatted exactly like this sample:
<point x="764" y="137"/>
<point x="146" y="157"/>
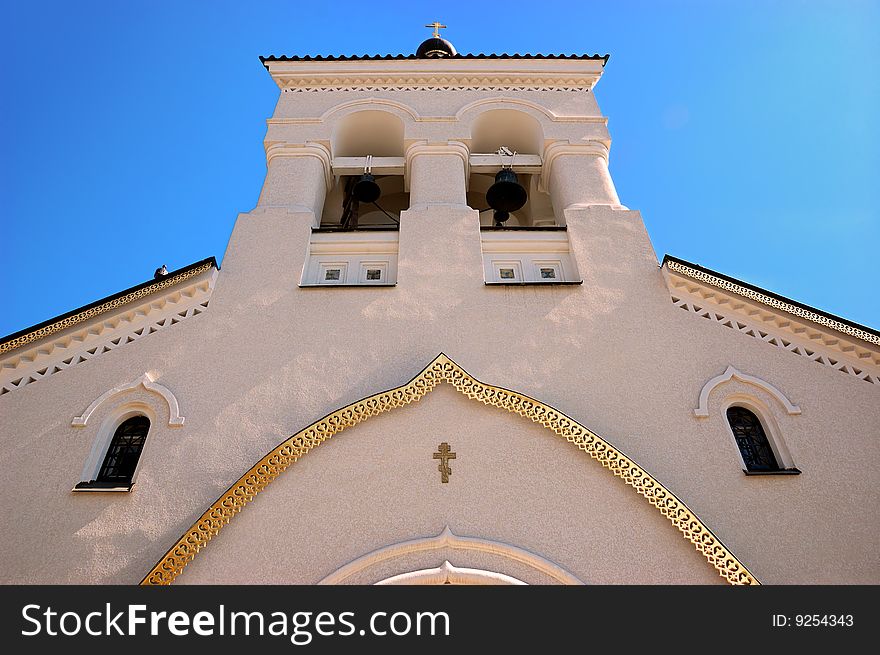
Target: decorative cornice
<point x="435" y="81"/>
<point x="175" y="420"/>
<point x="434" y="88"/>
<point x="55" y="326"/>
<point x="316" y="150"/>
<point x="702" y="411"/>
<point x="859" y="362"/>
<point x="443" y="369"/>
<point x="448" y="73"/>
<point x="91" y="340"/>
<point x="449" y="540"/>
<point x="776" y="303"/>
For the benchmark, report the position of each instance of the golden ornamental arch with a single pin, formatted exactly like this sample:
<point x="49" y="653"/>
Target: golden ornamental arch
<point x="443" y="369"/>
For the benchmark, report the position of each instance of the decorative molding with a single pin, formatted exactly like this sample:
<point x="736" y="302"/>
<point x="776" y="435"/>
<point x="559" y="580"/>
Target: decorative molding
<point x="580" y="74"/>
<point x="316" y="150"/>
<point x="175" y="420"/>
<point x="836" y="362"/>
<point x="351" y="252"/>
<point x="365" y="104"/>
<point x="518" y="104"/>
<point x="446" y="573"/>
<point x="764" y="299"/>
<point x="89" y="342"/>
<point x="702" y="411"/>
<point x="443" y="369"/>
<point x="449" y="540"/>
<point x="429" y="87"/>
<point x="87" y="314"/>
<point x="439" y="82"/>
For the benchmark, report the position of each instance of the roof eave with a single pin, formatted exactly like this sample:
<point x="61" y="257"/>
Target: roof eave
<point x="63" y="321"/>
<point x="781" y="301"/>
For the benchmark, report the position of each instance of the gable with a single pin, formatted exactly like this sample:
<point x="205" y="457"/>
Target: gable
<point x="91" y="331"/>
<point x="381" y="471"/>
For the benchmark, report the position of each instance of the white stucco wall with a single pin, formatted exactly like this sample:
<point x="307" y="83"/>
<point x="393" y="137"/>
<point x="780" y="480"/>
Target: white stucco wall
<point x="268" y="358"/>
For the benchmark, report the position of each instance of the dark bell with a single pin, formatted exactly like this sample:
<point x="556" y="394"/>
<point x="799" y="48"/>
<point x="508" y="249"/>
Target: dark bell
<point x="366" y="189"/>
<point x="506" y="195"/>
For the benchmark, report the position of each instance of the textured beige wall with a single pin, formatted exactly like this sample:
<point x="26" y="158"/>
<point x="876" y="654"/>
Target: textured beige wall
<point x="512" y="481"/>
<point x="268" y="358"/>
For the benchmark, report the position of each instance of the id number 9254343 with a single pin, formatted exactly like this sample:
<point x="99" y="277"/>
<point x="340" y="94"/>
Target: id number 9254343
<point x="813" y="621"/>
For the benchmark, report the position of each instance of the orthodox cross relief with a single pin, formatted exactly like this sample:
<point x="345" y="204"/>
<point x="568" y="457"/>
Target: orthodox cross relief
<point x="444" y="454"/>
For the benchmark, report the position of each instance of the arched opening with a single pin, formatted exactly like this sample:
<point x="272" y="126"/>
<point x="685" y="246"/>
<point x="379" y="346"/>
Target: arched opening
<point x="361" y="134"/>
<point x="368" y="132"/>
<point x="117" y="452"/>
<point x="753" y="440"/>
<point x="506" y="127"/>
<point x="520" y="133"/>
<point x="124" y="452"/>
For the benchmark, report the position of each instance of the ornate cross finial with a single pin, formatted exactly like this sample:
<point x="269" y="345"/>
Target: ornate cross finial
<point x="437" y="27"/>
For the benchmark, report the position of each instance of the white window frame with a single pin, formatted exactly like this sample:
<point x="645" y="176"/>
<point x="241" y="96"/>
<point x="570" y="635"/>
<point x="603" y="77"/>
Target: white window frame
<point x="515" y="264"/>
<point x="768" y="424"/>
<point x="323" y="267"/>
<point x="366" y="265"/>
<point x="104" y="438"/>
<point x="555" y="264"/>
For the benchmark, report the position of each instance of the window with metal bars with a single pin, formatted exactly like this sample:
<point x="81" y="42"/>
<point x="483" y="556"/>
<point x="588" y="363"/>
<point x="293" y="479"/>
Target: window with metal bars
<point x="124" y="451"/>
<point x="751" y="439"/>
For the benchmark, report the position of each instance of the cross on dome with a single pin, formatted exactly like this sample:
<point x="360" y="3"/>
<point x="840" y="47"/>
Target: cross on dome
<point x="436" y="47"/>
<point x="437" y="27"/>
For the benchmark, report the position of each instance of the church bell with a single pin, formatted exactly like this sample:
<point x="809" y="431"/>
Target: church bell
<point x="366" y="189"/>
<point x="506" y="195"/>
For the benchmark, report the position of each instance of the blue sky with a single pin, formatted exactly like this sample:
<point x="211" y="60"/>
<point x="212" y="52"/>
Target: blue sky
<point x="746" y="132"/>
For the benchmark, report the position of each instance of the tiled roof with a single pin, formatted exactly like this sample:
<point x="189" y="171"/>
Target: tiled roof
<point x="505" y="55"/>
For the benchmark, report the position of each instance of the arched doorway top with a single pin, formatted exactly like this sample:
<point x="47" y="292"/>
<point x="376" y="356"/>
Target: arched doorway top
<point x="446" y="573"/>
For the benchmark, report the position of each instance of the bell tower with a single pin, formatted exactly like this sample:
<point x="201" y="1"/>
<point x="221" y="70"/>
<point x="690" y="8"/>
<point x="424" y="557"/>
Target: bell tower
<point x="402" y="170"/>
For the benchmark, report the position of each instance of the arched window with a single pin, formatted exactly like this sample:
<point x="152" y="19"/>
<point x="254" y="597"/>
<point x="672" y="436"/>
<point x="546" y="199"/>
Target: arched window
<point x="752" y="440"/>
<point x="120" y="462"/>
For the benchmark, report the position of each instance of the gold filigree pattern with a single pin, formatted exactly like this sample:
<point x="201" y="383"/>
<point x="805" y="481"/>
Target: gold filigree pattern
<point x="85" y="315"/>
<point x="772" y="302"/>
<point x="443" y="369"/>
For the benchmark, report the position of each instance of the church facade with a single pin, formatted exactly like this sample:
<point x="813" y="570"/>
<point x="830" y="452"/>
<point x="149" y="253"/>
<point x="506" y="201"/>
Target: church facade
<point x="440" y="350"/>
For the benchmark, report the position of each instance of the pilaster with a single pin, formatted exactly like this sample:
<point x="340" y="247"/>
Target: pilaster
<point x="576" y="175"/>
<point x="298" y="177"/>
<point x="437" y="174"/>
